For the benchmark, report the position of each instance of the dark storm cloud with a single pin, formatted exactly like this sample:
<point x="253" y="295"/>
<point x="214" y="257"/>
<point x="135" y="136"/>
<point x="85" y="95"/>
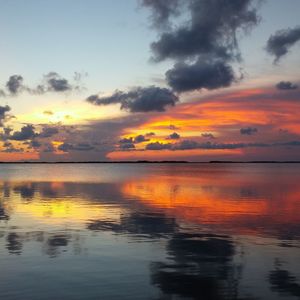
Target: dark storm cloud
<point x="281" y="41"/>
<point x="286" y="85"/>
<point x="248" y="131"/>
<point x="208" y="135"/>
<point x="14" y="84"/>
<point x="202" y="74"/>
<point x="140" y="99"/>
<point x="173" y="136"/>
<point x="3" y="113"/>
<point x="208" y="37"/>
<point x="27" y="132"/>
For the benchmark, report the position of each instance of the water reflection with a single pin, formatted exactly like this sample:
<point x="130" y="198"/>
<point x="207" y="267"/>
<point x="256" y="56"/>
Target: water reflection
<point x="174" y="232"/>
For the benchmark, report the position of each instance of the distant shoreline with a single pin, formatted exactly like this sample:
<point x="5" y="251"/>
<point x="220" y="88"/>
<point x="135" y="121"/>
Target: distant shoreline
<point x="150" y="162"/>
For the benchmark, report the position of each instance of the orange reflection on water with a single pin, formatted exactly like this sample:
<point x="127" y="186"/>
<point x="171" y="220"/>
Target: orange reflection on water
<point x="243" y="204"/>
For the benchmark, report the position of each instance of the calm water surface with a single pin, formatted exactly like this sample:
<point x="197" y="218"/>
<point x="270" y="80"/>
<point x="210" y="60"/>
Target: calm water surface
<point x="150" y="231"/>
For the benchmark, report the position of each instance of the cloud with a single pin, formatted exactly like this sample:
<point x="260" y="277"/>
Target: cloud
<point x="48" y="132"/>
<point x="67" y="147"/>
<point x="286" y="85"/>
<point x="208" y="37"/>
<point x="191" y="145"/>
<point x="140" y="99"/>
<point x="162" y="10"/>
<point x="48" y="112"/>
<point x="27" y="132"/>
<point x="56" y="83"/>
<point x="127" y="146"/>
<point x="140" y="139"/>
<point x="281" y="41"/>
<point x="149" y="134"/>
<point x="248" y="131"/>
<point x="14" y="84"/>
<point x="158" y="146"/>
<point x="52" y="82"/>
<point x="3" y="113"/>
<point x="126" y="140"/>
<point x="202" y="74"/>
<point x="208" y="135"/>
<point x="173" y="136"/>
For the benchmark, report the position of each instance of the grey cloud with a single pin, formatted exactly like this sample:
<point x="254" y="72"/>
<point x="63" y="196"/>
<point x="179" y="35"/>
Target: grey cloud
<point x="191" y="144"/>
<point x="281" y="41"/>
<point x="174" y="136"/>
<point x="202" y="74"/>
<point x="56" y="83"/>
<point x="127" y="146"/>
<point x="52" y="82"/>
<point x="211" y="30"/>
<point x="209" y="37"/>
<point x="158" y="146"/>
<point x="248" y="131"/>
<point x="48" y="132"/>
<point x="67" y="147"/>
<point x="140" y="99"/>
<point x="3" y="113"/>
<point x="162" y="10"/>
<point x="14" y="84"/>
<point x="27" y="132"/>
<point x="140" y="139"/>
<point x="126" y="140"/>
<point x="286" y="85"/>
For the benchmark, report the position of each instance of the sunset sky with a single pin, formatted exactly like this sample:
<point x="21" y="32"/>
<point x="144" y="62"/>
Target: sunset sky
<point x="197" y="80"/>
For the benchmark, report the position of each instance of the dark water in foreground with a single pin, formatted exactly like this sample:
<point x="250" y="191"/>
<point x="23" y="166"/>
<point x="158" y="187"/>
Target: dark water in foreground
<point x="181" y="231"/>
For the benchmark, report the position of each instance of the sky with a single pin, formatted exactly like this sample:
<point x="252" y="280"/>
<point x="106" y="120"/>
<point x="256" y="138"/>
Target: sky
<point x="194" y="80"/>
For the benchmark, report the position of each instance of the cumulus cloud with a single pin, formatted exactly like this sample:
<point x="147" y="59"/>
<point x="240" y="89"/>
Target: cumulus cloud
<point x="14" y="84"/>
<point x="158" y="146"/>
<point x="51" y="82"/>
<point x="209" y="37"/>
<point x="173" y="136"/>
<point x="140" y="99"/>
<point x="286" y="85"/>
<point x="56" y="83"/>
<point x="140" y="139"/>
<point x="202" y="74"/>
<point x="248" y="131"/>
<point x="3" y="113"/>
<point x="26" y="133"/>
<point x="281" y="41"/>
